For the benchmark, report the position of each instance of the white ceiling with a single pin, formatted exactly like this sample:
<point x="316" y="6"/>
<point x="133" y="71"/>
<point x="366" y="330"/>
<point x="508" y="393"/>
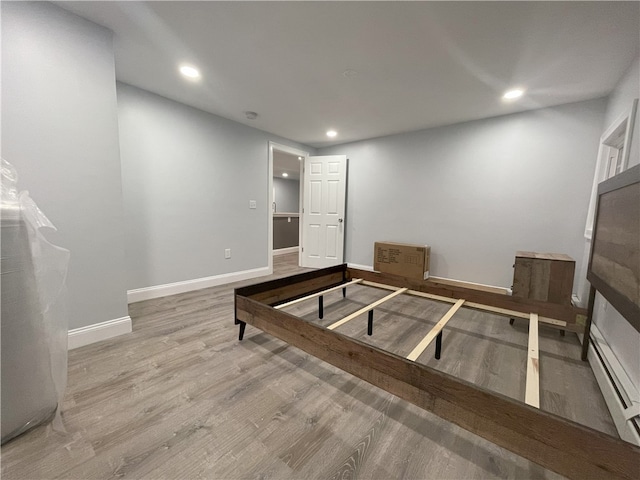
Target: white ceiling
<point x="286" y="163"/>
<point x="417" y="64"/>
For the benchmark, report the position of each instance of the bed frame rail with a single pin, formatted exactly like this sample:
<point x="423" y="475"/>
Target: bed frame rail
<point x="560" y="445"/>
<point x="555" y="443"/>
<point x="565" y="317"/>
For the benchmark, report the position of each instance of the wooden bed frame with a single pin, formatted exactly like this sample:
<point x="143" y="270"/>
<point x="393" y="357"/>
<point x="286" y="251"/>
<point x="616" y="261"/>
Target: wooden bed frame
<point x="555" y="443"/>
<point x="614" y="261"/>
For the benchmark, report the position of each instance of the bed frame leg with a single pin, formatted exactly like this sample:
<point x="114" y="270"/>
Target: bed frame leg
<point x="438" y="345"/>
<point x="370" y="323"/>
<point x="344" y="292"/>
<point x="320" y="307"/>
<point x="511" y="320"/>
<point x="243" y="325"/>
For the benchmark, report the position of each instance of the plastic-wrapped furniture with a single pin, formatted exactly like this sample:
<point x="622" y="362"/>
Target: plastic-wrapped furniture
<point x="33" y="328"/>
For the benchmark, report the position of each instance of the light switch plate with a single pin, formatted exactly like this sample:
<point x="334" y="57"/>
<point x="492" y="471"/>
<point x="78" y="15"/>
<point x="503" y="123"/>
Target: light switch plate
<point x="252" y="204"/>
<point x="227" y="253"/>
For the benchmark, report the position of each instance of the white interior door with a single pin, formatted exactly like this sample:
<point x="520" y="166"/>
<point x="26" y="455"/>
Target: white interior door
<point x="323" y="226"/>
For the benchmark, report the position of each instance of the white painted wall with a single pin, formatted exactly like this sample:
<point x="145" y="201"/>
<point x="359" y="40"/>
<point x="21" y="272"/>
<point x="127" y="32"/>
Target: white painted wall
<point x="476" y="192"/>
<point x="623" y="339"/>
<point x="287" y="195"/>
<point x="60" y="130"/>
<point x="188" y="177"/>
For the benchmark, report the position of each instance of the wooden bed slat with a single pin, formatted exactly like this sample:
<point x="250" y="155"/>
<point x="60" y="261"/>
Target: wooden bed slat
<point x="532" y="390"/>
<point x="513" y="313"/>
<point x="565" y="313"/>
<point x="366" y="309"/>
<point x="410" y="292"/>
<point x="433" y="333"/>
<point x="317" y="294"/>
<point x="478" y="306"/>
<point x="555" y="443"/>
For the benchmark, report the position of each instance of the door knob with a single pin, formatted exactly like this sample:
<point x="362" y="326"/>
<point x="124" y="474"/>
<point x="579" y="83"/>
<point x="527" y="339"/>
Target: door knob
<point x="339" y="220"/>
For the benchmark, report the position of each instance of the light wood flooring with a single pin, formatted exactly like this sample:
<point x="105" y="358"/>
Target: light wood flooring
<point x="181" y="398"/>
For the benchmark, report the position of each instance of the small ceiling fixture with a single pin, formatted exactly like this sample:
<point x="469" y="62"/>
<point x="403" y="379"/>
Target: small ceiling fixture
<point x="513" y="94"/>
<point x="285" y="174"/>
<point x="332" y="133"/>
<point x="349" y="73"/>
<point x="299" y="158"/>
<point x="251" y="115"/>
<point x="189" y="71"/>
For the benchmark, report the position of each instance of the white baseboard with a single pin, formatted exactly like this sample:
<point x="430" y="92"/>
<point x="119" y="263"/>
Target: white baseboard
<point x="614" y="383"/>
<point x="463" y="283"/>
<point x="369" y="268"/>
<point x="148" y="293"/>
<point x="79" y="337"/>
<point x="284" y="251"/>
<point x="577" y="301"/>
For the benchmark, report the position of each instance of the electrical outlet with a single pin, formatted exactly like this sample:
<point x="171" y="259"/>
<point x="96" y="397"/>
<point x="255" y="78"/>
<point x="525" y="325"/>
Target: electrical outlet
<point x="227" y="253"/>
<point x="252" y="204"/>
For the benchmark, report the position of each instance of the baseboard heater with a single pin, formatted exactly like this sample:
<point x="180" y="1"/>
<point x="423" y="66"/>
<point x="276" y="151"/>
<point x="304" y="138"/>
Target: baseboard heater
<point x="617" y="389"/>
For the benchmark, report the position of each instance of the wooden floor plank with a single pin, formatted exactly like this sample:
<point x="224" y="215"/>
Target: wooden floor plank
<point x="532" y="391"/>
<point x="207" y="406"/>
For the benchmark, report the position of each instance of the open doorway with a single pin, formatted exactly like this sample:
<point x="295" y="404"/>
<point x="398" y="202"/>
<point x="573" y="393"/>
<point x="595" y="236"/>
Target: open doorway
<point x="285" y="198"/>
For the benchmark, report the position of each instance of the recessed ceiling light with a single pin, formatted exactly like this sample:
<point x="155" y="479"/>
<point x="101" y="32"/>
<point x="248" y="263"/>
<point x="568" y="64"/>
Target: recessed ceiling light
<point x="299" y="158"/>
<point x="513" y="94"/>
<point x="332" y="133"/>
<point x="285" y="174"/>
<point x="189" y="71"/>
<point x="251" y="115"/>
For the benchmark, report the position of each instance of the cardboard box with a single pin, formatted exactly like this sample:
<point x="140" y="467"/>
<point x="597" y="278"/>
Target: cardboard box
<point x="403" y="259"/>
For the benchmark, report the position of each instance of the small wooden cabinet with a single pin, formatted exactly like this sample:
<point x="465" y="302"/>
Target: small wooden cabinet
<point x="544" y="276"/>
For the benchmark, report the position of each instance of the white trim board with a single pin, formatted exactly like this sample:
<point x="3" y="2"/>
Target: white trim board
<point x="369" y="268"/>
<point x="284" y="251"/>
<point x="79" y="337"/>
<point x="625" y="122"/>
<point x="157" y="291"/>
<point x="464" y="283"/>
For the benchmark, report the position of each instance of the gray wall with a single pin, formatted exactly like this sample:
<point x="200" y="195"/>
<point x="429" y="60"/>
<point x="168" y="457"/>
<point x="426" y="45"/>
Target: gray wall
<point x="59" y="129"/>
<point x="476" y="192"/>
<point x="618" y="332"/>
<point x="287" y="195"/>
<point x="188" y="177"/>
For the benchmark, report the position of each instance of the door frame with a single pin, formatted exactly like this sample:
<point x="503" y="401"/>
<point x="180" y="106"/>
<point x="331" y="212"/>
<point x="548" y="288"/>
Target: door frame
<point x="293" y="151"/>
<point x="622" y="126"/>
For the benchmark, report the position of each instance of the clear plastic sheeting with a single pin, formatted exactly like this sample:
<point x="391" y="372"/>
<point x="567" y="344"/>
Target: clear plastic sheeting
<point x="34" y="319"/>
